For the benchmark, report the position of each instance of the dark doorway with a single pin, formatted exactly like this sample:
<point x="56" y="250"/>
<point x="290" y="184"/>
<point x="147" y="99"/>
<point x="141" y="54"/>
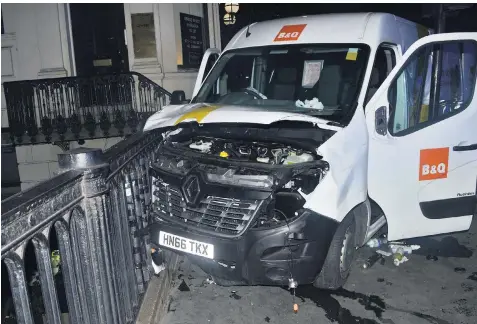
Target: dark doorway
<point x="10" y="175"/>
<point x="100" y="49"/>
<point x="99" y="38"/>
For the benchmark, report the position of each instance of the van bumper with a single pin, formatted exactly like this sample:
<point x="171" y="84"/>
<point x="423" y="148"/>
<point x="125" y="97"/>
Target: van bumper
<point x="261" y="256"/>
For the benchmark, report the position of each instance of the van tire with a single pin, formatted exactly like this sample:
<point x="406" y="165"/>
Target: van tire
<point x="337" y="265"/>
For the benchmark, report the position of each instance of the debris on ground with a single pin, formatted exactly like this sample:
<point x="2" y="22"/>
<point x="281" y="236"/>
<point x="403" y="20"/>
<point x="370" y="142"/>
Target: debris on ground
<point x="432" y="257"/>
<point x="157" y="261"/>
<point x="384" y="253"/>
<point x="267" y="319"/>
<point x="234" y="295"/>
<point x="210" y="281"/>
<point x="158" y="268"/>
<point x="295" y="308"/>
<point x="473" y="276"/>
<point x="398" y="250"/>
<point x="399" y="258"/>
<point x="171" y="308"/>
<point x="407" y="249"/>
<point x="385" y="281"/>
<point x="183" y="286"/>
<point x="376" y="242"/>
<point x="372" y="260"/>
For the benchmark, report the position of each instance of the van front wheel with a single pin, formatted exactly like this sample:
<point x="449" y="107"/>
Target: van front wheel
<point x="340" y="256"/>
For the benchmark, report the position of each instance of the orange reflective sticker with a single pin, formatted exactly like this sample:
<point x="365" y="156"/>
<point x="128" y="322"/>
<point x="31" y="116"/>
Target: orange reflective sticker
<point x="433" y="163"/>
<point x="289" y="33"/>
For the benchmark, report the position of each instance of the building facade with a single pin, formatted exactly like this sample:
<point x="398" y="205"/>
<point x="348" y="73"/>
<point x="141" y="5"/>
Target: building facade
<point x="164" y="42"/>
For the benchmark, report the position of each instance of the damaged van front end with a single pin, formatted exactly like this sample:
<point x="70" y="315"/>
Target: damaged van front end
<point x="232" y="198"/>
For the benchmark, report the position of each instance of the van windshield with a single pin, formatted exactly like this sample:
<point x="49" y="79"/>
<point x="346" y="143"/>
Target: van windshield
<point x="322" y="80"/>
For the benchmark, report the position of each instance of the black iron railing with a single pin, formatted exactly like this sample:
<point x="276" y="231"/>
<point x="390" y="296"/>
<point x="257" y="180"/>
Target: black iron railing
<point x="75" y="245"/>
<point x="79" y="108"/>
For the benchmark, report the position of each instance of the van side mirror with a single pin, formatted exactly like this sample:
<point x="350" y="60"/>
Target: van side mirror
<point x="178" y="97"/>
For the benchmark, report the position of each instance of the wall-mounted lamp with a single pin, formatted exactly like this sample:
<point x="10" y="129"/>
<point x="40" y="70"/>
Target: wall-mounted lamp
<point x="229" y="19"/>
<point x="231" y="9"/>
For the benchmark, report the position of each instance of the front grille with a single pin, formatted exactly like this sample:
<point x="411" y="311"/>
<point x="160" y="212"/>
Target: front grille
<point x="213" y="214"/>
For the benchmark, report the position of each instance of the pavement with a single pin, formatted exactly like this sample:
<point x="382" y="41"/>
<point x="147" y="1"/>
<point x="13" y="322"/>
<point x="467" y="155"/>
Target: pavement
<point x="438" y="285"/>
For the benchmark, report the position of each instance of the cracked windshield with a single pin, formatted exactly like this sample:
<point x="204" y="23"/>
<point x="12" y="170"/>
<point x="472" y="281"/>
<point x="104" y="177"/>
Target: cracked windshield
<point x="317" y="80"/>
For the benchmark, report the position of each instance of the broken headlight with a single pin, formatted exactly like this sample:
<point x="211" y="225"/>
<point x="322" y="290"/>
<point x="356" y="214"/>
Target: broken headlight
<point x="284" y="207"/>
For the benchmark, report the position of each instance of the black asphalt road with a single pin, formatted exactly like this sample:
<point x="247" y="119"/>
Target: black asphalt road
<point x="438" y="285"/>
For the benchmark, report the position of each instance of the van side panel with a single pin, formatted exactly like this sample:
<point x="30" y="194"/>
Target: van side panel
<point x="345" y="185"/>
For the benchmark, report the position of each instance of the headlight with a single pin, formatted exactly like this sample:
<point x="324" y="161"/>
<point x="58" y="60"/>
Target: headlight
<point x="229" y="177"/>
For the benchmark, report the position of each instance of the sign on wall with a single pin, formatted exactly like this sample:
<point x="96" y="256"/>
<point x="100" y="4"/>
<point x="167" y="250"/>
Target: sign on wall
<point x="192" y="41"/>
<point x="144" y="37"/>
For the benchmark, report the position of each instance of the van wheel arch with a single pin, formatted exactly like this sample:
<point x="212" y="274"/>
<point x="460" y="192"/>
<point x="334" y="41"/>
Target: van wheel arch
<point x="366" y="214"/>
<point x="356" y="225"/>
<point x="337" y="265"/>
<point x="362" y="219"/>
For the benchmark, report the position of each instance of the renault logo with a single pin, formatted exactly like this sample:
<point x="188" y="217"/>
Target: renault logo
<point x="191" y="189"/>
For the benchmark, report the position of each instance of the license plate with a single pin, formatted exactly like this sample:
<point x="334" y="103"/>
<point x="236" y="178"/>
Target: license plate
<point x="186" y="245"/>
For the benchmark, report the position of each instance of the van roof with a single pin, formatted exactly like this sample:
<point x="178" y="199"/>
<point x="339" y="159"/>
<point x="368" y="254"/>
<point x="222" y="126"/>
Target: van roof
<point x="346" y="28"/>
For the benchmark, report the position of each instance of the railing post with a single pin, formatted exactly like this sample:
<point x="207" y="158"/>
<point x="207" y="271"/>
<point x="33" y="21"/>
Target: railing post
<point x="94" y="244"/>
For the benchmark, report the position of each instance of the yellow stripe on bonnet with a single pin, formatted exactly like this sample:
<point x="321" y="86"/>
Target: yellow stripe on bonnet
<point x="197" y="114"/>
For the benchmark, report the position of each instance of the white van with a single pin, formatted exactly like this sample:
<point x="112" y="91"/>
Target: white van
<point x="306" y="137"/>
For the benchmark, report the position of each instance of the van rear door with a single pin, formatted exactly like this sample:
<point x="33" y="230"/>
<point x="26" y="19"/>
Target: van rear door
<point x="422" y="162"/>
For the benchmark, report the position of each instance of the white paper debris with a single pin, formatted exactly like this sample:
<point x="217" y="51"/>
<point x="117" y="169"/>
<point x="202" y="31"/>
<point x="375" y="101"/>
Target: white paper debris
<point x="158" y="268"/>
<point x="313" y="104"/>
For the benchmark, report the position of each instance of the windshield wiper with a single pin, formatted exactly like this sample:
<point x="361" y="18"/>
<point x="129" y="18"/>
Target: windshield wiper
<point x="331" y="118"/>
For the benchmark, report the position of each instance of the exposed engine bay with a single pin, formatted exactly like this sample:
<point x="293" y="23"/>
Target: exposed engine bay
<point x="266" y="168"/>
<point x="271" y="153"/>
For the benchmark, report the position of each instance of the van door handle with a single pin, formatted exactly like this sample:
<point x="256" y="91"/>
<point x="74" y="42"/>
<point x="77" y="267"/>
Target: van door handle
<point x="461" y="148"/>
<point x="380" y="119"/>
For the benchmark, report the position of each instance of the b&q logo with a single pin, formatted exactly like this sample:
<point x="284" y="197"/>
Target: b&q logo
<point x="433" y="163"/>
<point x="289" y="33"/>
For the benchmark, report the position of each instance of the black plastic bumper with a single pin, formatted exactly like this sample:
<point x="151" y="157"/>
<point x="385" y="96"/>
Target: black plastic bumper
<point x="262" y="256"/>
